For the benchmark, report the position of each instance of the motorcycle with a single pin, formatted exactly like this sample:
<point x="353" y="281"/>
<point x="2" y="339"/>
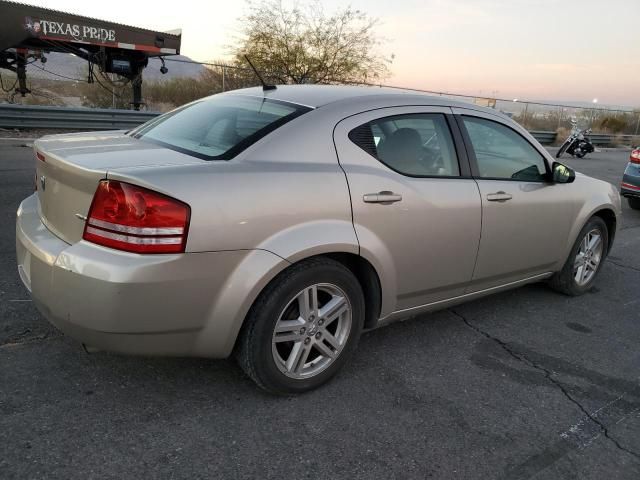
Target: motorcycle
<point x="577" y="144"/>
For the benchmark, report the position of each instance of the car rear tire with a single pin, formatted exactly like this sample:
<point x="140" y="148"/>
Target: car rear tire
<point x="303" y="327"/>
<point x="634" y="202"/>
<point x="585" y="260"/>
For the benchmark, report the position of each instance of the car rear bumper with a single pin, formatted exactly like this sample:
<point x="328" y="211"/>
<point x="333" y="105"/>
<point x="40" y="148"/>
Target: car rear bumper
<point x="630" y="190"/>
<point x="189" y="304"/>
<point x="630" y="186"/>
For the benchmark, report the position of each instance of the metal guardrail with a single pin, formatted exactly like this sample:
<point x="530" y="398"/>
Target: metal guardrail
<point x="604" y="140"/>
<point x="32" y="116"/>
<point x="599" y="139"/>
<point x="545" y="138"/>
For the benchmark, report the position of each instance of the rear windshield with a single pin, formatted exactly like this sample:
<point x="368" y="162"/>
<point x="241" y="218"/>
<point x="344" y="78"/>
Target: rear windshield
<point x="218" y="127"/>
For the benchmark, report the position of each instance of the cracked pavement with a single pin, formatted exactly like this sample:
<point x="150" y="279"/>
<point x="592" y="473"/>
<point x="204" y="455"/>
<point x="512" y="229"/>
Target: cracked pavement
<point x="526" y="384"/>
<point x="593" y="417"/>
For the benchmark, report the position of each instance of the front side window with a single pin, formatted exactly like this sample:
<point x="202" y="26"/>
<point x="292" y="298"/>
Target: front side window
<point x="218" y="127"/>
<point x="417" y="145"/>
<point x="501" y="153"/>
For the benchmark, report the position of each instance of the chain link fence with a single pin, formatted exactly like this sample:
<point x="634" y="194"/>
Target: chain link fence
<point x="549" y="117"/>
<point x="534" y="116"/>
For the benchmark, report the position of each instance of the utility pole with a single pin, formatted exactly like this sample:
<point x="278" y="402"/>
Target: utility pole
<point x="560" y="111"/>
<point x="113" y="92"/>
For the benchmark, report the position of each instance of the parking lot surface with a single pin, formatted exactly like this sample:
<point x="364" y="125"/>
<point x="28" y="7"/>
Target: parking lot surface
<point x="523" y="384"/>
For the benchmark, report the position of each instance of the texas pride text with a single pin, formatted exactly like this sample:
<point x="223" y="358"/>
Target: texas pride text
<point x="82" y="32"/>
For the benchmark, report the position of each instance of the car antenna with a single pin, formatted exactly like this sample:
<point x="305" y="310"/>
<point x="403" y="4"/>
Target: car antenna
<point x="265" y="86"/>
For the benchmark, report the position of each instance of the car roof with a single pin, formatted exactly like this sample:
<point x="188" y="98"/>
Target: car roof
<point x="316" y="96"/>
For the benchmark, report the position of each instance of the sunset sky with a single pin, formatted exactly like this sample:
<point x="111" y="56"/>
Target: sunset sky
<point x="572" y="50"/>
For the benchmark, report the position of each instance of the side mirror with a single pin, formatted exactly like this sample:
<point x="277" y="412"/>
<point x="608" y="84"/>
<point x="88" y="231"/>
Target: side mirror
<point x="562" y="174"/>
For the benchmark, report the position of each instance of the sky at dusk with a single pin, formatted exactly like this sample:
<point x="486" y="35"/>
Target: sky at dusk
<point x="528" y="49"/>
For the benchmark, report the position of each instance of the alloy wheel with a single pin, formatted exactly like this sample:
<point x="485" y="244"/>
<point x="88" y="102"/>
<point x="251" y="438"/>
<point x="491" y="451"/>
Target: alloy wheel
<point x="311" y="331"/>
<point x="588" y="257"/>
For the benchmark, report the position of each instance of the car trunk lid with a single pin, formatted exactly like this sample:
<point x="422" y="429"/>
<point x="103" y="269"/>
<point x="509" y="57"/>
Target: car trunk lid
<point x="69" y="167"/>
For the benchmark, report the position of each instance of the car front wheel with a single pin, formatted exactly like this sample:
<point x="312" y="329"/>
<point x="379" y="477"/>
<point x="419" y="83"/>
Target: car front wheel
<point x="585" y="260"/>
<point x="303" y="327"/>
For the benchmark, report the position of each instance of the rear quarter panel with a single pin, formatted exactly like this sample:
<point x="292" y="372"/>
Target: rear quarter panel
<point x="285" y="194"/>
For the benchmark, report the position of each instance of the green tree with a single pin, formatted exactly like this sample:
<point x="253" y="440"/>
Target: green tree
<point x="303" y="44"/>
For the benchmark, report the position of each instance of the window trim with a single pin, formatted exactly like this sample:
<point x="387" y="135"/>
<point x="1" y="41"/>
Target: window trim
<point x="473" y="159"/>
<point x="464" y="161"/>
<point x="138" y="132"/>
<point x="459" y="151"/>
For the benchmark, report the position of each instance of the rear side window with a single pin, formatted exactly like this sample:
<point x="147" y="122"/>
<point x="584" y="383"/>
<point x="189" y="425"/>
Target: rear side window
<point x="417" y="145"/>
<point x="218" y="127"/>
<point x="502" y="153"/>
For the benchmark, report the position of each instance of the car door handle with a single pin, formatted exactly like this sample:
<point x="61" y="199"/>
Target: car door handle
<point x="381" y="197"/>
<point x="499" y="196"/>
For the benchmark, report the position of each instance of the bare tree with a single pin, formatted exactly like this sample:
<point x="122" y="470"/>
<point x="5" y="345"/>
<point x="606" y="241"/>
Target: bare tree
<point x="303" y="44"/>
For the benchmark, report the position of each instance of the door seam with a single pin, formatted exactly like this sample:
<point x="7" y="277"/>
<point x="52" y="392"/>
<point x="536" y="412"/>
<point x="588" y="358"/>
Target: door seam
<point x="346" y="179"/>
<point x="475" y="264"/>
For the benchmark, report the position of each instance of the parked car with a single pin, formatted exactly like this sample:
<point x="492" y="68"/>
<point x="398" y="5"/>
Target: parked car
<point x="630" y="187"/>
<point x="278" y="225"/>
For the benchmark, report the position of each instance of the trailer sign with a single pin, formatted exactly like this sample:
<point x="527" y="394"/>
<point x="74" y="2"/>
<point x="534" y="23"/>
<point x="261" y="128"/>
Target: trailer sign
<point x="60" y="30"/>
<point x="28" y="32"/>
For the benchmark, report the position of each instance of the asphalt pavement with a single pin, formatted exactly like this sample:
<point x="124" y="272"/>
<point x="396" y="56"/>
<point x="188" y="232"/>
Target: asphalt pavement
<point x="523" y="384"/>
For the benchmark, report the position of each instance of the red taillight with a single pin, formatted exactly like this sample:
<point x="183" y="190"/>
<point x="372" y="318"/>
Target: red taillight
<point x="40" y="157"/>
<point x="135" y="219"/>
<point x="635" y="156"/>
<point x="628" y="186"/>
